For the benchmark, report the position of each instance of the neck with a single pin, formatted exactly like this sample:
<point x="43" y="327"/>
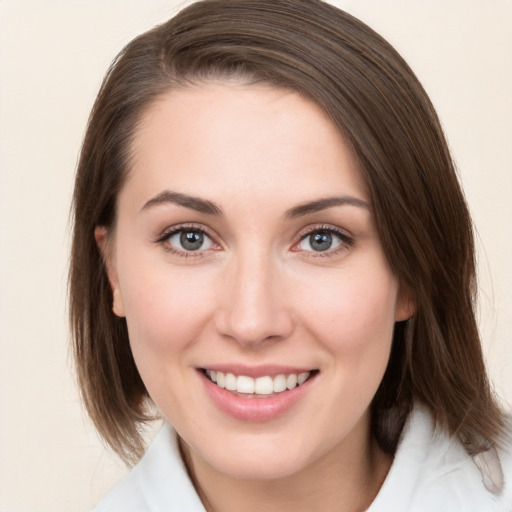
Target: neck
<point x="347" y="478"/>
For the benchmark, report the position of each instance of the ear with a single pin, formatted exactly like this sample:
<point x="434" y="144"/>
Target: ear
<point x="405" y="304"/>
<point x="104" y="245"/>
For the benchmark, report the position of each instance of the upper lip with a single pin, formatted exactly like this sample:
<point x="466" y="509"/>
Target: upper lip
<point x="256" y="371"/>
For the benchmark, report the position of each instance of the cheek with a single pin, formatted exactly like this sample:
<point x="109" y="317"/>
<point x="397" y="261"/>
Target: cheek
<point x="354" y="324"/>
<point x="166" y="313"/>
<point x="353" y="314"/>
<point x="165" y="309"/>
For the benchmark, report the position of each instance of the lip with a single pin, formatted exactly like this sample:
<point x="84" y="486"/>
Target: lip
<point x="252" y="409"/>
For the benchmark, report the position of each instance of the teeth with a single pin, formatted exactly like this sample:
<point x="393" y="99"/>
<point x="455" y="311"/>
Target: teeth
<point x="261" y="386"/>
<point x="245" y="384"/>
<point x="231" y="382"/>
<point x="302" y="378"/>
<point x="279" y="383"/>
<point x="264" y="386"/>
<point x="221" y="380"/>
<point x="291" y="381"/>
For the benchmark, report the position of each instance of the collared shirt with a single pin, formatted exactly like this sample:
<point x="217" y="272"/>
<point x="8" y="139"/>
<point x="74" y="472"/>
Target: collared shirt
<point x="431" y="472"/>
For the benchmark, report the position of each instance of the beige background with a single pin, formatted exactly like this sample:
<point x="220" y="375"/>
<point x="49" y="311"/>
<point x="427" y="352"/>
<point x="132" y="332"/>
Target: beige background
<point x="52" y="57"/>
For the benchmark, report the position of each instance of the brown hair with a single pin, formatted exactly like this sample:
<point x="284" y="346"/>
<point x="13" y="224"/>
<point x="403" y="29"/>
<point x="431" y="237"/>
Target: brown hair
<point x="380" y="108"/>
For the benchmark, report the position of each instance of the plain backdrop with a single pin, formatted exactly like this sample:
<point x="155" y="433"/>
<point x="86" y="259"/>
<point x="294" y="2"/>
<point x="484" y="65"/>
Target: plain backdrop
<point x="53" y="55"/>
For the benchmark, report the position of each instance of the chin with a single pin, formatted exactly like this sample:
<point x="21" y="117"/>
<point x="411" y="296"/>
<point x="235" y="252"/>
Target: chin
<point x="258" y="468"/>
<point x="262" y="457"/>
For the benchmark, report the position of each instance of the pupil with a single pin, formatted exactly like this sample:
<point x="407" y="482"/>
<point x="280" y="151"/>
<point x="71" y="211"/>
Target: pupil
<point x="191" y="240"/>
<point x="321" y="241"/>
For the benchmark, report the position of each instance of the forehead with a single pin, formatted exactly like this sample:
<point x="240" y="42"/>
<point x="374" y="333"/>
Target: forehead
<point x="222" y="137"/>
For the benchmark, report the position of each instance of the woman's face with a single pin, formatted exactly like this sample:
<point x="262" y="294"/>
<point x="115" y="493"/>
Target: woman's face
<point x="246" y="252"/>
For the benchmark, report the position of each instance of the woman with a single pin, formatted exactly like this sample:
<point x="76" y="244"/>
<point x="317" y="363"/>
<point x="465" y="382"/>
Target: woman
<point x="272" y="248"/>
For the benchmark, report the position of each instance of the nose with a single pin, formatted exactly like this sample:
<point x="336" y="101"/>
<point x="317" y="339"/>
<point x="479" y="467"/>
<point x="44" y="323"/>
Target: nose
<point x="253" y="306"/>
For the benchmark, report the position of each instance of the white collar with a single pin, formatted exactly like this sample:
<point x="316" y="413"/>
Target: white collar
<point x="430" y="472"/>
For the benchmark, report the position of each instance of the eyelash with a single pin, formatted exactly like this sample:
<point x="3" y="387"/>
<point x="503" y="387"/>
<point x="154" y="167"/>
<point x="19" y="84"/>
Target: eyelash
<point x="346" y="241"/>
<point x="164" y="240"/>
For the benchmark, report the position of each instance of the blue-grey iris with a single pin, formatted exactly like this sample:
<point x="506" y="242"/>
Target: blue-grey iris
<point x="191" y="240"/>
<point x="321" y="241"/>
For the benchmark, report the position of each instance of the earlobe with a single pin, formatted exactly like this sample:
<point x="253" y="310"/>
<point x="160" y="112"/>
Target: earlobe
<point x="118" y="304"/>
<point x="406" y="306"/>
<point x="101" y="236"/>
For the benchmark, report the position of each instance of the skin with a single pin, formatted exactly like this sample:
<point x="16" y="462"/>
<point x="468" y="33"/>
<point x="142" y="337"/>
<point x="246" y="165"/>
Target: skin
<point x="256" y="292"/>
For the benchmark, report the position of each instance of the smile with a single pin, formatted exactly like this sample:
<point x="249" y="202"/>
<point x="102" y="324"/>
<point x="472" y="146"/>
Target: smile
<point x="257" y="394"/>
<point x="260" y="386"/>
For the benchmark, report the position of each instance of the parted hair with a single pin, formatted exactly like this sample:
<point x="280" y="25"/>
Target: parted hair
<point x="371" y="95"/>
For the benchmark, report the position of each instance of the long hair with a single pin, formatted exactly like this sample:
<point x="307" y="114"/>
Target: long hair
<point x="374" y="99"/>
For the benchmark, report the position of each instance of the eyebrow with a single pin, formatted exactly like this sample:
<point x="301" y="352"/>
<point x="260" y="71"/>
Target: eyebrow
<point x="194" y="203"/>
<point x="323" y="204"/>
<point x="210" y="208"/>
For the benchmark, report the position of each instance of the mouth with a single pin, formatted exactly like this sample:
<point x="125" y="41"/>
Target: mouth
<point x="265" y="386"/>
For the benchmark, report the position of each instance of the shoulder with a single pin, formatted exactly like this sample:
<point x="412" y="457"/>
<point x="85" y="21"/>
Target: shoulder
<point x="505" y="457"/>
<point x="158" y="482"/>
<point x="432" y="471"/>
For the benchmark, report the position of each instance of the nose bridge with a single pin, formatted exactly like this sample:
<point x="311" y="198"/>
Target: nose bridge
<point x="254" y="308"/>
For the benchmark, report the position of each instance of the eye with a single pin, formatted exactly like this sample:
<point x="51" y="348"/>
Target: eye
<point x="323" y="240"/>
<point x="189" y="240"/>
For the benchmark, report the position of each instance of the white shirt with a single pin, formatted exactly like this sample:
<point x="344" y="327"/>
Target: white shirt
<point x="431" y="472"/>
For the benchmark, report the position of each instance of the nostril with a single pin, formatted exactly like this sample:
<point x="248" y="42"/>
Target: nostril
<point x="252" y="327"/>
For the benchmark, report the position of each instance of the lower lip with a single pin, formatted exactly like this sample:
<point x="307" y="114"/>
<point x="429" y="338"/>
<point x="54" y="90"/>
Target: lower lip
<point x="255" y="409"/>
